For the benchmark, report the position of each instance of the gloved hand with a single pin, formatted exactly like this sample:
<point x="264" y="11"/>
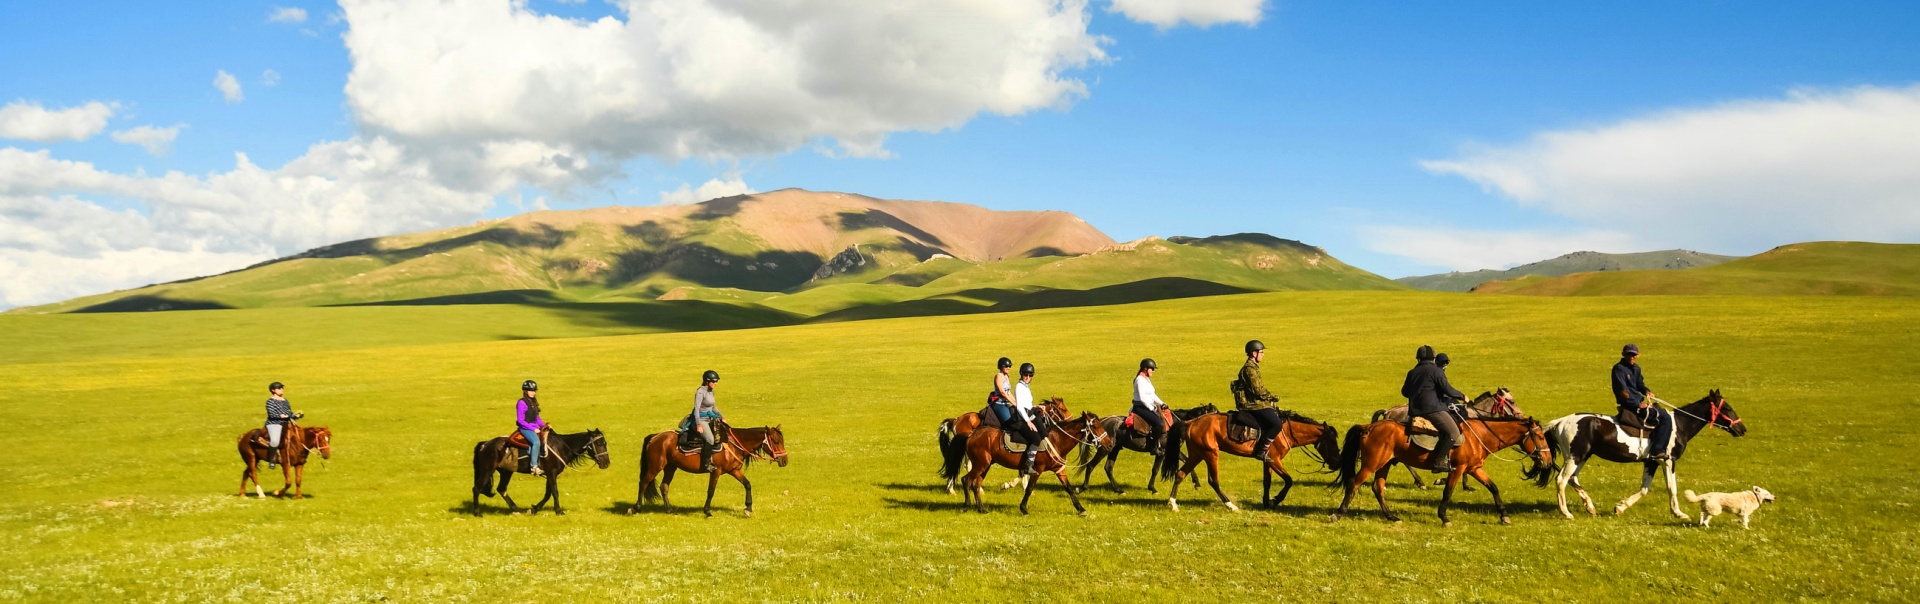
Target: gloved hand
<point x="299" y="415"/>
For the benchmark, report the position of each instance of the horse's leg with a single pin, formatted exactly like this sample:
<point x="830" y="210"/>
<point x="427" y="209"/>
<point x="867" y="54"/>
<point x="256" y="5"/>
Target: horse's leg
<point x="1286" y="484"/>
<point x="1153" y="472"/>
<point x="1584" y="497"/>
<point x="1062" y="473"/>
<point x="1379" y="489"/>
<point x="1266" y="485"/>
<point x="740" y="474"/>
<point x="1566" y="475"/>
<point x="300" y="480"/>
<point x="1114" y="483"/>
<point x="1446" y="496"/>
<point x="506" y="476"/>
<point x="1213" y="479"/>
<point x="713" y="482"/>
<point x="544" y="496"/>
<point x="1027" y="493"/>
<point x="1480" y="474"/>
<point x="286" y="475"/>
<point x="1186" y="469"/>
<point x="553" y="486"/>
<point x="1673" y="492"/>
<point x="666" y="480"/>
<point x="1646" y="484"/>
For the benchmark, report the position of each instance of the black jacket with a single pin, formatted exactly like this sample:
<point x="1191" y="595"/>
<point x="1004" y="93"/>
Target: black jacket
<point x="1426" y="384"/>
<point x="1627" y="378"/>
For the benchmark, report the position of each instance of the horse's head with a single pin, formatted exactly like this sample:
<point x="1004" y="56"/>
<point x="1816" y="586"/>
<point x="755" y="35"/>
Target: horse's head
<point x="1203" y="410"/>
<point x="1093" y="431"/>
<point x="1056" y="408"/>
<point x="1327" y="444"/>
<point x="597" y="445"/>
<point x="1535" y="445"/>
<point x="776" y="445"/>
<point x="321" y="438"/>
<point x="1720" y="413"/>
<point x="1498" y="403"/>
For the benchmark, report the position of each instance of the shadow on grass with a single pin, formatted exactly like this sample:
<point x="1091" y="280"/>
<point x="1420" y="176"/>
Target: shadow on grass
<point x="901" y="486"/>
<point x="946" y="506"/>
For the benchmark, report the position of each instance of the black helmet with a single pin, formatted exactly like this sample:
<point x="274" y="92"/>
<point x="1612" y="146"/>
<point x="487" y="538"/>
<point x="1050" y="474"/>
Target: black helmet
<point x="1425" y="353"/>
<point x="1004" y="363"/>
<point x="1146" y="364"/>
<point x="1441" y="359"/>
<point x="529" y="385"/>
<point x="710" y="376"/>
<point x="275" y="386"/>
<point x="1255" y="346"/>
<point x="1026" y="369"/>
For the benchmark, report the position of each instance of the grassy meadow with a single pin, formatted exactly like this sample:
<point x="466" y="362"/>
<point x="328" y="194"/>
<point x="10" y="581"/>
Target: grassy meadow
<point x="118" y="472"/>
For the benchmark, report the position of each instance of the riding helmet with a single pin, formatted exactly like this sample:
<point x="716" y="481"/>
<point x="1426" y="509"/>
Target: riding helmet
<point x="1004" y="363"/>
<point x="1425" y="353"/>
<point x="1441" y="359"/>
<point x="1026" y="370"/>
<point x="275" y="386"/>
<point x="1146" y="364"/>
<point x="1254" y="346"/>
<point x="529" y="385"/>
<point x="710" y="376"/>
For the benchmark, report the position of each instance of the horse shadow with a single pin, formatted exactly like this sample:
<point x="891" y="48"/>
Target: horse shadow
<point x="902" y="486"/>
<point x="945" y="506"/>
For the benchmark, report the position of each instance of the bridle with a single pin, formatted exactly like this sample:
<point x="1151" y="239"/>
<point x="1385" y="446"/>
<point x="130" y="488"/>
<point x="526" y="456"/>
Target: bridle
<point x="1717" y="409"/>
<point x="773" y="455"/>
<point x="1533" y="428"/>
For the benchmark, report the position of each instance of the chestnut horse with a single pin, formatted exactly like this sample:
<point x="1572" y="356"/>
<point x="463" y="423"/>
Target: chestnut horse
<point x="567" y="450"/>
<point x="743" y="445"/>
<point x="954" y="433"/>
<point x="1206" y="437"/>
<point x="1582" y="436"/>
<point x="984" y="449"/>
<point x="1370" y="448"/>
<point x="1124" y="439"/>
<point x="295" y="443"/>
<point x="1497" y="403"/>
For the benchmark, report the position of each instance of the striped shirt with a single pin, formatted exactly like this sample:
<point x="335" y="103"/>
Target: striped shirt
<point x="277" y="407"/>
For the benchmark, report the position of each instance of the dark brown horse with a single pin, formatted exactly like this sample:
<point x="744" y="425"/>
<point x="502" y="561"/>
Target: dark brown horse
<point x="954" y="433"/>
<point x="1206" y="437"/>
<point x="563" y="451"/>
<point x="985" y="449"/>
<point x="1370" y="448"/>
<point x="1128" y="440"/>
<point x="1498" y="403"/>
<point x="295" y="443"/>
<point x="1582" y="436"/>
<point x="743" y="445"/>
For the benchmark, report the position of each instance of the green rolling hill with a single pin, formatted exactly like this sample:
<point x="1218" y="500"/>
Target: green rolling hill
<point x="1577" y="262"/>
<point x="1815" y="268"/>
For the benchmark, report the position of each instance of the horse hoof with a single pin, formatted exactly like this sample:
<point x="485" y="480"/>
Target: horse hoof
<point x="1174" y="504"/>
<point x="1446" y="523"/>
<point x="1231" y="506"/>
<point x="748" y="513"/>
<point x="1505" y="521"/>
<point x="1083" y="513"/>
<point x="1333" y="518"/>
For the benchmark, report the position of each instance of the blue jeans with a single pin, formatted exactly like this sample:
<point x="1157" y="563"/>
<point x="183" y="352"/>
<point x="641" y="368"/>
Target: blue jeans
<point x="1660" y="421"/>
<point x="533" y="445"/>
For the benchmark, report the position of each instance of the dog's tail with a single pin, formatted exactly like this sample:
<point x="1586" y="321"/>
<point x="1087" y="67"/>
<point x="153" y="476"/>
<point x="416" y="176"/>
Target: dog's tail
<point x="1693" y="497"/>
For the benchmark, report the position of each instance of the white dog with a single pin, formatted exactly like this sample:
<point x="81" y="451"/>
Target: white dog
<point x="1742" y="503"/>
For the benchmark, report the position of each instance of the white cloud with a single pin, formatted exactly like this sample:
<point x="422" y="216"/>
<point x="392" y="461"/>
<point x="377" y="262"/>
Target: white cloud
<point x="1740" y="176"/>
<point x="32" y="121"/>
<point x="157" y="141"/>
<point x="1467" y="250"/>
<point x="703" y="78"/>
<point x="1166" y="14"/>
<point x="229" y="87"/>
<point x="712" y="189"/>
<point x="282" y="14"/>
<point x="269" y="78"/>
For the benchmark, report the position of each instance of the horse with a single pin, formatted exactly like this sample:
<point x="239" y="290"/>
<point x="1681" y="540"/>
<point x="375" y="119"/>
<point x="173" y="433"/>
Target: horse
<point x="1497" y="403"/>
<point x="984" y="449"/>
<point x="1207" y="437"/>
<point x="566" y="450"/>
<point x="1124" y="440"/>
<point x="1370" y="448"/>
<point x="954" y="433"/>
<point x="1581" y="436"/>
<point x="742" y="446"/>
<point x="295" y="443"/>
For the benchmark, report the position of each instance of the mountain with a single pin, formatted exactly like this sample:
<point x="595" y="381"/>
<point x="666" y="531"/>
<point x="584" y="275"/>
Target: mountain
<point x="1824" y="267"/>
<point x="792" y="253"/>
<point x="1577" y="262"/>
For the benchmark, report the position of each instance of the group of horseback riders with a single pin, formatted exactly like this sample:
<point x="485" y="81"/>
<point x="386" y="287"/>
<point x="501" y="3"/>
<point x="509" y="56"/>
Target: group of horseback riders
<point x="529" y="424"/>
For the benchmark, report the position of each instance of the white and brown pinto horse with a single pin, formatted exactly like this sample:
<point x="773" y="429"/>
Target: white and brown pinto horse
<point x="1583" y="436"/>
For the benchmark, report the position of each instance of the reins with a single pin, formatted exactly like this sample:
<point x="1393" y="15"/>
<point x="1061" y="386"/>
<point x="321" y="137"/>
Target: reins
<point x="1715" y="406"/>
<point x="1492" y="452"/>
<point x="767" y="444"/>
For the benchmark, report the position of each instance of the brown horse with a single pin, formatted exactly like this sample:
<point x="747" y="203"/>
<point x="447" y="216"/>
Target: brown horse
<point x="563" y="451"/>
<point x="295" y="443"/>
<point x="1370" y="448"/>
<point x="954" y="433"/>
<point x="1132" y="440"/>
<point x="1497" y="403"/>
<point x="984" y="449"/>
<point x="743" y="445"/>
<point x="1206" y="438"/>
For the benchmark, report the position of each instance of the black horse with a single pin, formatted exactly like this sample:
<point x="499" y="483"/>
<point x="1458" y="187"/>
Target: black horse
<point x="568" y="450"/>
<point x="1581" y="436"/>
<point x="1127" y="439"/>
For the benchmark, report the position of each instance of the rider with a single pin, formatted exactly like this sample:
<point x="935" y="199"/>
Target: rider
<point x="1024" y="415"/>
<point x="1147" y="403"/>
<point x="279" y="414"/>
<point x="1631" y="395"/>
<point x="704" y="412"/>
<point x="1426" y="390"/>
<point x="1440" y="360"/>
<point x="526" y="417"/>
<point x="1001" y="396"/>
<point x="1253" y="398"/>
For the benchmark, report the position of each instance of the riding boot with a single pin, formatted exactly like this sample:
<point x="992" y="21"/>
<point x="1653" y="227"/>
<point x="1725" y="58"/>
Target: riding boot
<point x="273" y="459"/>
<point x="1026" y="460"/>
<point x="1260" y="448"/>
<point x="706" y="459"/>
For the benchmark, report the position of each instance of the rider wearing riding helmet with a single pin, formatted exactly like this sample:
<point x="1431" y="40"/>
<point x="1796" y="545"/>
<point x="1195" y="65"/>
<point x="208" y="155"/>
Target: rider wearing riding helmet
<point x="1147" y="403"/>
<point x="1426" y="390"/>
<point x="1000" y="398"/>
<point x="279" y="414"/>
<point x="1252" y="397"/>
<point x="704" y="412"/>
<point x="1631" y="395"/>
<point x="1022" y="426"/>
<point x="1440" y="360"/>
<point x="526" y="418"/>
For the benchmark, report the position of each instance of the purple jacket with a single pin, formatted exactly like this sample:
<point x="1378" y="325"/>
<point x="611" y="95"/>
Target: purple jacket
<point x="520" y="417"/>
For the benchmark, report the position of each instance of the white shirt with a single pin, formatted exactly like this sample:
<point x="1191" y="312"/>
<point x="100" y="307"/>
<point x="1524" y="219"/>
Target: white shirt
<point x="1143" y="393"/>
<point x="1022" y="399"/>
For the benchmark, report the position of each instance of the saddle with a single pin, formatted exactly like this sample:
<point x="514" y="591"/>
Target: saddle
<point x="689" y="441"/>
<point x="1140" y="427"/>
<point x="1423" y="436"/>
<point x="1014" y="446"/>
<point x="1630" y="424"/>
<point x="1241" y="427"/>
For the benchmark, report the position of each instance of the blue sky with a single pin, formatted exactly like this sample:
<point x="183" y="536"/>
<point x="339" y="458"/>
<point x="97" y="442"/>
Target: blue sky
<point x="1406" y="138"/>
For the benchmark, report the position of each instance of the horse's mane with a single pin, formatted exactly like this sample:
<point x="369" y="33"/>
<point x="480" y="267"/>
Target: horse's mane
<point x="1308" y="420"/>
<point x="577" y="442"/>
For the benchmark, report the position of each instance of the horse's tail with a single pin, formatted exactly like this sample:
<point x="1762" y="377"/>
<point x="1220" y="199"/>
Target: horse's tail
<point x="953" y="450"/>
<point x="1349" y="465"/>
<point x="1560" y="434"/>
<point x="482" y="470"/>
<point x="1170" y="450"/>
<point x="1542" y="474"/>
<point x="648" y="490"/>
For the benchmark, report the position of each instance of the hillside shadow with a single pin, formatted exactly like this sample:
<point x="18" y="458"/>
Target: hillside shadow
<point x="719" y="208"/>
<point x="1147" y="290"/>
<point x="662" y="315"/>
<point x="649" y="232"/>
<point x="150" y="304"/>
<point x="875" y="219"/>
<point x="767" y="271"/>
<point x="507" y="296"/>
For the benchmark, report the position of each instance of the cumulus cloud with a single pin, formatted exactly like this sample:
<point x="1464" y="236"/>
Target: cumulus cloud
<point x="269" y="78"/>
<point x="1468" y="250"/>
<point x="157" y="141"/>
<point x="703" y="78"/>
<point x="58" y="239"/>
<point x="1744" y="175"/>
<point x="32" y="121"/>
<point x="229" y="86"/>
<point x="712" y="189"/>
<point x="282" y="14"/>
<point x="1166" y="14"/>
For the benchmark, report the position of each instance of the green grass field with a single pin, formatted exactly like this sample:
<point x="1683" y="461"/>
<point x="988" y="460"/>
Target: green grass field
<point x="118" y="470"/>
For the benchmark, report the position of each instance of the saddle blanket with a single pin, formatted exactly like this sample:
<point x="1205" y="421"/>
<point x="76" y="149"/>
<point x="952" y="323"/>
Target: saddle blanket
<point x="1006" y="440"/>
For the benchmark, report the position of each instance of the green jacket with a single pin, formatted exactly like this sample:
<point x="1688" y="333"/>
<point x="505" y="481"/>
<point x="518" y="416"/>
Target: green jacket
<point x="1252" y="393"/>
